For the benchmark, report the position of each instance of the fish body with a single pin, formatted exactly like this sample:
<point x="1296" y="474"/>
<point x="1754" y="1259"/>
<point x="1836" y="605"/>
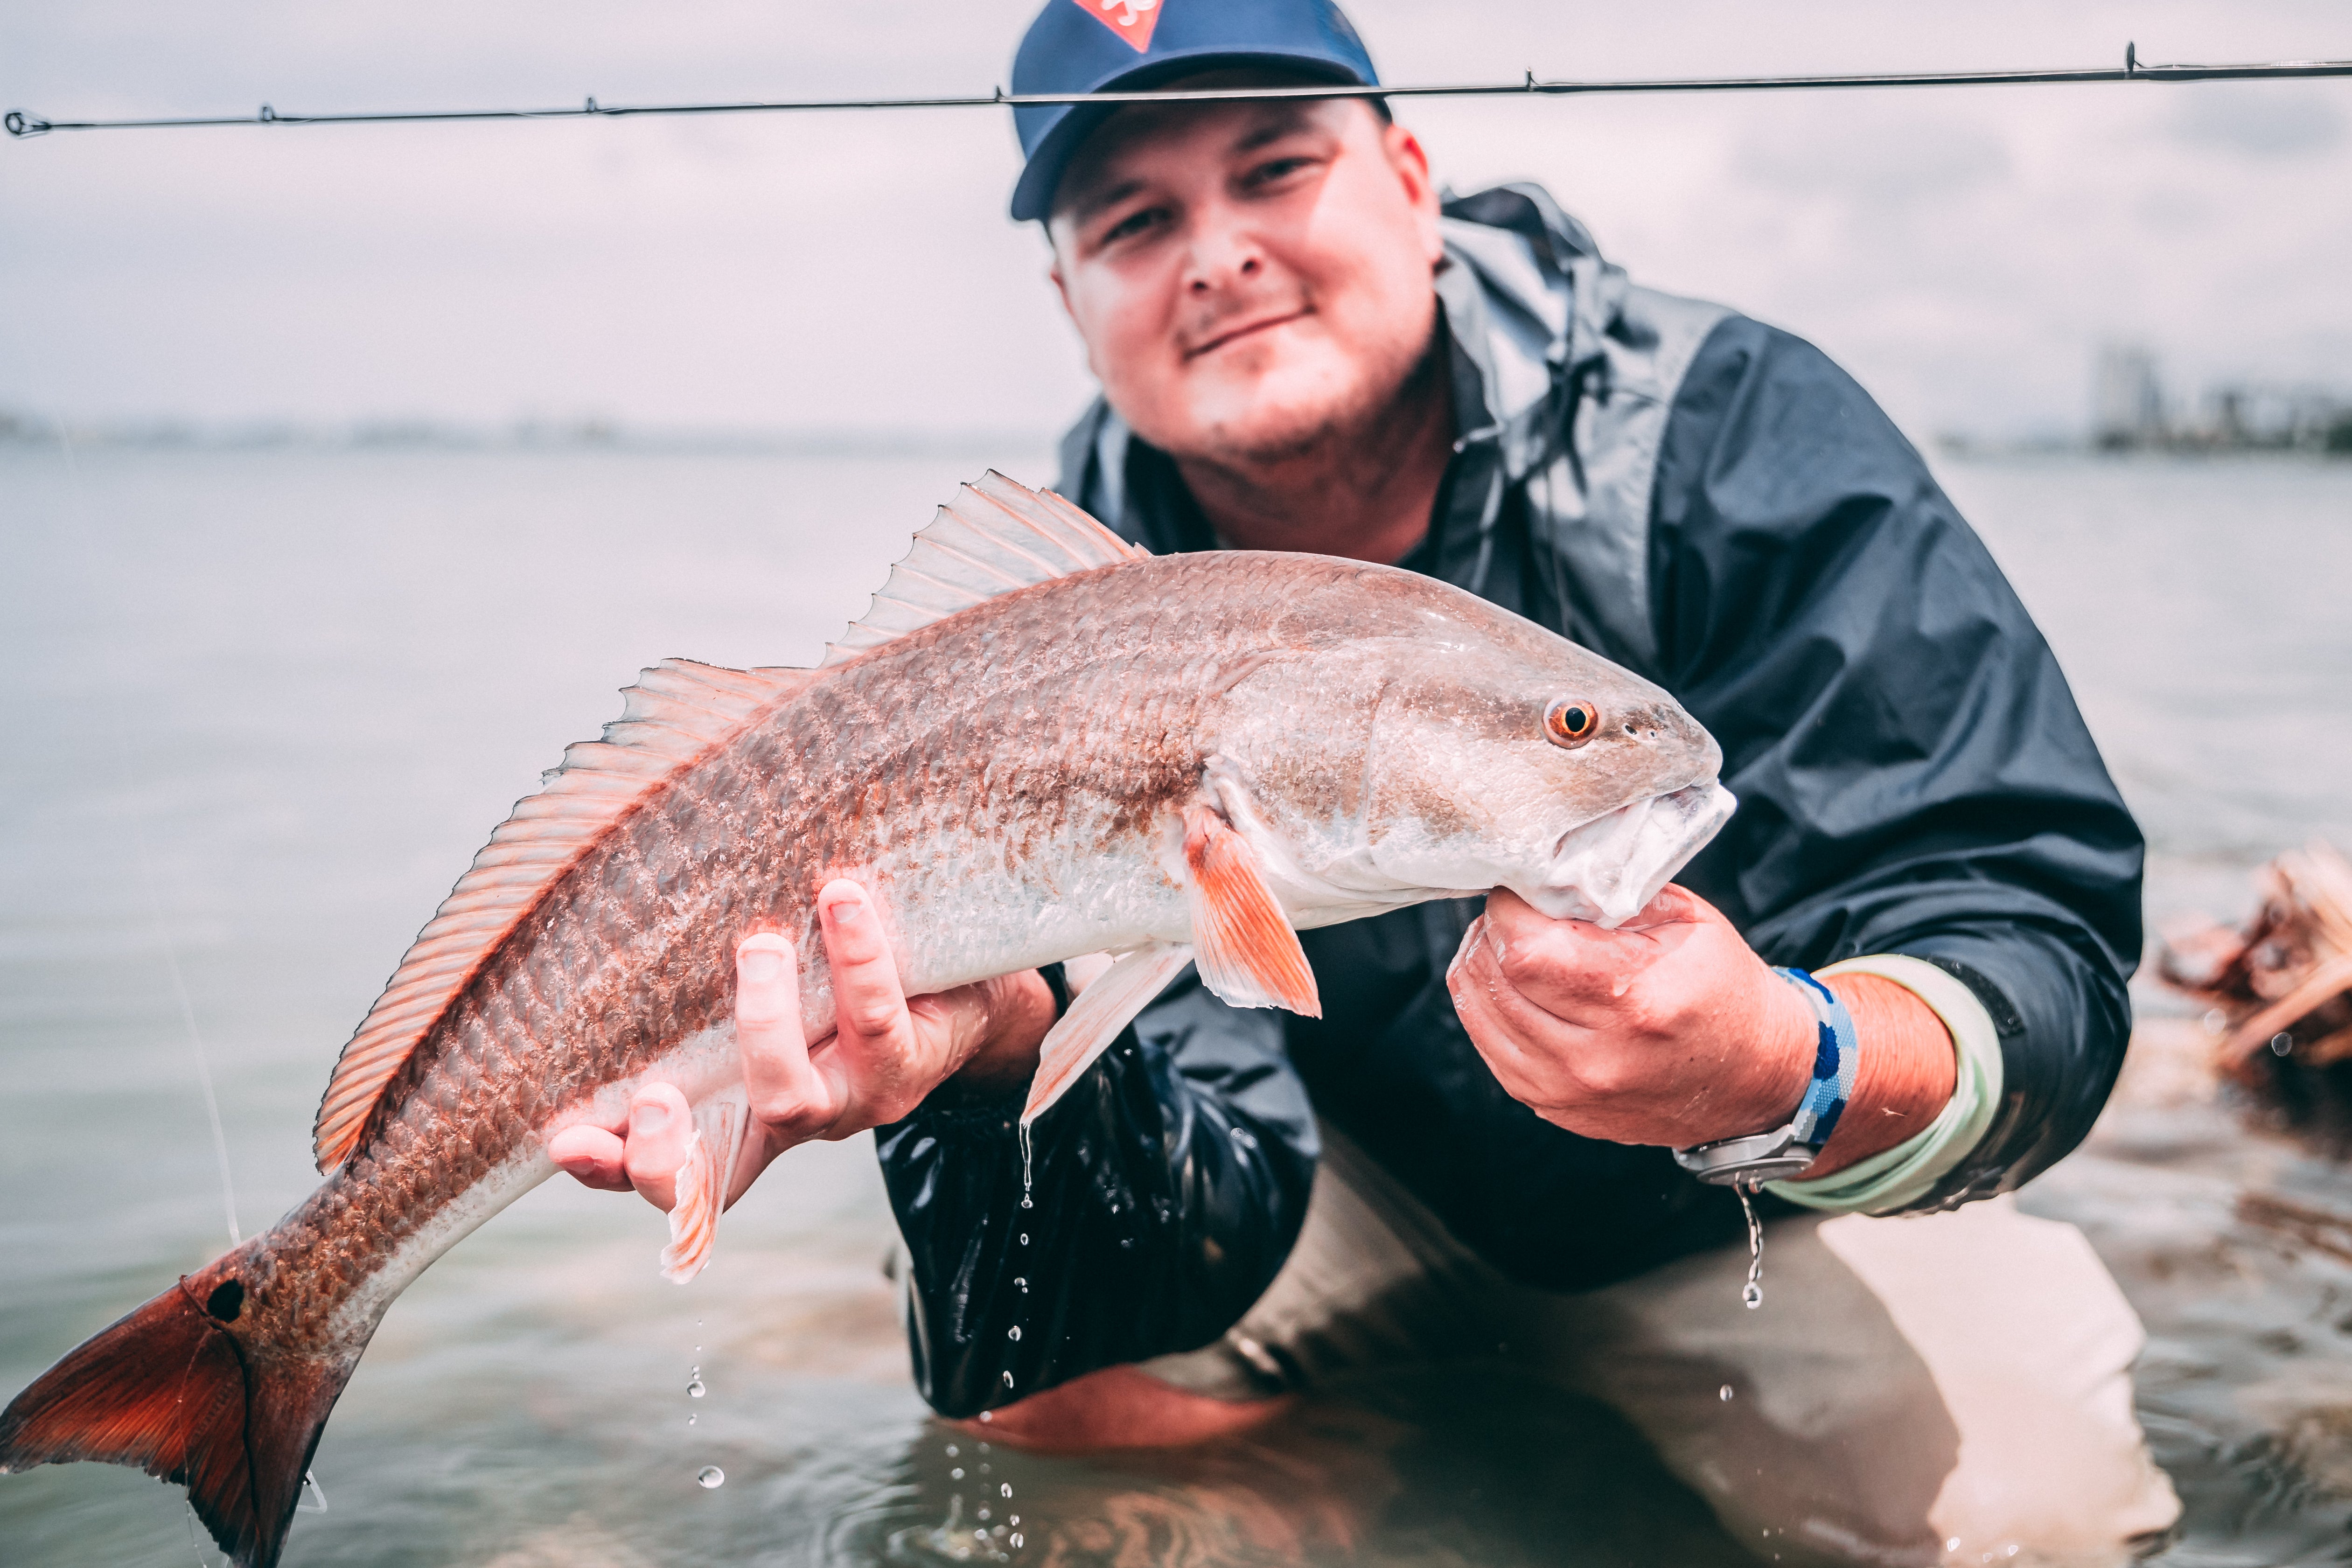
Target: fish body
<point x="1037" y="745"/>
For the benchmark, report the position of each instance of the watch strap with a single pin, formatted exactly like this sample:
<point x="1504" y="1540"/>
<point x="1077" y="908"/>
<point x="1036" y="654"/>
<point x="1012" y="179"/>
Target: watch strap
<point x="1836" y="1053"/>
<point x="1754" y="1159"/>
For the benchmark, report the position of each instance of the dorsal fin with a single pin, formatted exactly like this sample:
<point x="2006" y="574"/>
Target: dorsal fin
<point x="677" y="713"/>
<point x="995" y="536"/>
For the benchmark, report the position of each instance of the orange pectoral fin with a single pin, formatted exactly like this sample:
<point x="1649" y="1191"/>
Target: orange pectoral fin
<point x="1242" y="941"/>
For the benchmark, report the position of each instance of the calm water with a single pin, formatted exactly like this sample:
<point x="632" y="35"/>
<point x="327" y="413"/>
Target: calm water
<point x="265" y="706"/>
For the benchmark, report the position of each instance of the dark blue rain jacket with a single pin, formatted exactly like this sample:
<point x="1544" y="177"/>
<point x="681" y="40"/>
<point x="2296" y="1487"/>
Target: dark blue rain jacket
<point x="1712" y="503"/>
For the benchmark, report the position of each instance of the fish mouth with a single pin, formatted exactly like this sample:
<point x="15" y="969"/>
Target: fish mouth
<point x="1607" y="870"/>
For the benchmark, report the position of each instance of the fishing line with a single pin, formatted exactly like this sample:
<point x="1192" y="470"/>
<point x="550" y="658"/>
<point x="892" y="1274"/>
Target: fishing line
<point x="23" y="123"/>
<point x="147" y="871"/>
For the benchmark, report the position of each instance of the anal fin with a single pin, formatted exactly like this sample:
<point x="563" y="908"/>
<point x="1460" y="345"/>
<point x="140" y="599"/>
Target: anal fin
<point x="1106" y="1007"/>
<point x="1248" y="953"/>
<point x="702" y="1182"/>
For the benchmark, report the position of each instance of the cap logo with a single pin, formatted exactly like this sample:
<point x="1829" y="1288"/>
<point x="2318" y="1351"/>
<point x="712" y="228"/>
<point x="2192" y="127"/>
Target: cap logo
<point x="1130" y="20"/>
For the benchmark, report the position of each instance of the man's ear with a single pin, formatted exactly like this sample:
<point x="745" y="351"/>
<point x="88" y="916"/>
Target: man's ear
<point x="1410" y="161"/>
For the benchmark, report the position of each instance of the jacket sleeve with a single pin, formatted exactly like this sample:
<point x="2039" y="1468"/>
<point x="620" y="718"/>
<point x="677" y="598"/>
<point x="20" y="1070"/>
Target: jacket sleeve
<point x="1913" y="774"/>
<point x="1163" y="1194"/>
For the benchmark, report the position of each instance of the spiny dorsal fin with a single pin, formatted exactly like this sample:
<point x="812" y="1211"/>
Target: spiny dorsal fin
<point x="677" y="713"/>
<point x="995" y="536"/>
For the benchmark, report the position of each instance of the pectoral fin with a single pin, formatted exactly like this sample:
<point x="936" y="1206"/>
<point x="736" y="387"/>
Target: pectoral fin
<point x="1247" y="952"/>
<point x="710" y="1156"/>
<point x="1106" y="1007"/>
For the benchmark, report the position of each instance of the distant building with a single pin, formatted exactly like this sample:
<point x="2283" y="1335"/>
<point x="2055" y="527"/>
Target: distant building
<point x="2130" y="412"/>
<point x="2257" y="415"/>
<point x="2127" y="400"/>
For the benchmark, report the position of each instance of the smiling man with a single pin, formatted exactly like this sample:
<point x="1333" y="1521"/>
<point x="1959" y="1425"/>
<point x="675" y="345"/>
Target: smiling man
<point x="1510" y="1131"/>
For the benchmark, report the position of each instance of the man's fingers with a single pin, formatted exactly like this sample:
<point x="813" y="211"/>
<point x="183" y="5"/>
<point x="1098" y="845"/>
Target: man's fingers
<point x="1571" y="968"/>
<point x="660" y="1125"/>
<point x="787" y="1090"/>
<point x="868" y="1003"/>
<point x="590" y="1156"/>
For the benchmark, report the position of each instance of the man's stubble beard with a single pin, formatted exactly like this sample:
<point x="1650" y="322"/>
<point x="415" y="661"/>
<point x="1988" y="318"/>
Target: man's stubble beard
<point x="1270" y="446"/>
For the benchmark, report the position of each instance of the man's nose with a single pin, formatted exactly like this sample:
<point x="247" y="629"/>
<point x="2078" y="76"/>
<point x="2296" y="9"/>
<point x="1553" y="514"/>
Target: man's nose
<point x="1222" y="254"/>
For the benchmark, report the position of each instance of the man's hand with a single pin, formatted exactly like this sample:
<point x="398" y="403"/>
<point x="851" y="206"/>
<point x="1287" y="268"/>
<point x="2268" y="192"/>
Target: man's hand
<point x="1670" y="1030"/>
<point x="885" y="1055"/>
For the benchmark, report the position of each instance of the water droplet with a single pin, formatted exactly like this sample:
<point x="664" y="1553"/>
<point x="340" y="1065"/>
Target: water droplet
<point x="691" y="1419"/>
<point x="986" y="1416"/>
<point x="1023" y="1282"/>
<point x="983" y="1469"/>
<point x="1028" y="1203"/>
<point x="2281" y="1045"/>
<point x="1724" y="1393"/>
<point x="1014" y="1540"/>
<point x="951" y="1450"/>
<point x="1005" y="1490"/>
<point x="984" y="1447"/>
<point x="1024" y="1238"/>
<point x="710" y="1477"/>
<point x="695" y="1390"/>
<point x="1008" y="1380"/>
<point x="1014" y="1519"/>
<point x="955" y="1475"/>
<point x="1012" y="1333"/>
<point x="1752" y="1293"/>
<point x="984" y="1514"/>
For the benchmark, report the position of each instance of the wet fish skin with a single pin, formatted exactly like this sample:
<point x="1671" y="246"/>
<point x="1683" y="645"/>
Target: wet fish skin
<point x="1011" y="784"/>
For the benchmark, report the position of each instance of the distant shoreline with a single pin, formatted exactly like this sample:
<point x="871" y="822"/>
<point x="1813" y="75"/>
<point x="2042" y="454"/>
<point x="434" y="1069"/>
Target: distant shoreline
<point x="521" y="436"/>
<point x="582" y="435"/>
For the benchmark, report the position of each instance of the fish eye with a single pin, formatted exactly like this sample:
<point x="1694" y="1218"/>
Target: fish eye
<point x="1570" y="722"/>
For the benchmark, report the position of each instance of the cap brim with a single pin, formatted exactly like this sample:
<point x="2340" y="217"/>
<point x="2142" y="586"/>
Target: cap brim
<point x="1033" y="195"/>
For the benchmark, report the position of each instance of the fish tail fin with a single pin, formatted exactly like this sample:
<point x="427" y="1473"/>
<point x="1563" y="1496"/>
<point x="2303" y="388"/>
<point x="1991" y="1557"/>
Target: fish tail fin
<point x="172" y="1390"/>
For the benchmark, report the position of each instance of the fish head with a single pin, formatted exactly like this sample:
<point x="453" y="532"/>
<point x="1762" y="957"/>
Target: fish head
<point x="1416" y="742"/>
<point x="1501" y="755"/>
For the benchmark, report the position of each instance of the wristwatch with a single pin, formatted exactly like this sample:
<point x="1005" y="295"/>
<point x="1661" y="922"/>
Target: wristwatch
<point x="1750" y="1160"/>
<point x="1754" y="1159"/>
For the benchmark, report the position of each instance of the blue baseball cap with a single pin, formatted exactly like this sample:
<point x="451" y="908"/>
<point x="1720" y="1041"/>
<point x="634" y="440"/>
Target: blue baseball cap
<point x="1104" y="46"/>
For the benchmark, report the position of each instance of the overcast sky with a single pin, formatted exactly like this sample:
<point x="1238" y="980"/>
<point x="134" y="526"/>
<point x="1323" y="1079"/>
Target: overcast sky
<point x="1963" y="251"/>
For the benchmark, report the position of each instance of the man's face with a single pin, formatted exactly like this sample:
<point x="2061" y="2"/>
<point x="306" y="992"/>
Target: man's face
<point x="1250" y="278"/>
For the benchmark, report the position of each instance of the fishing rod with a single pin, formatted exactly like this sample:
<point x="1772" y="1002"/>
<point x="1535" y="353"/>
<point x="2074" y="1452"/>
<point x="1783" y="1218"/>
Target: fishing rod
<point x="21" y="124"/>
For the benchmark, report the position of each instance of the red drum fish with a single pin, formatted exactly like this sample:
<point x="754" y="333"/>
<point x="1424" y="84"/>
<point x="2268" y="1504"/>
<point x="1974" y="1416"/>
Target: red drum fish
<point x="1039" y="743"/>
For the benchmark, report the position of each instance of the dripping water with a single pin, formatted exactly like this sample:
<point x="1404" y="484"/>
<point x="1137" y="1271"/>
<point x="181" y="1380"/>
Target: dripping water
<point x="1751" y="1294"/>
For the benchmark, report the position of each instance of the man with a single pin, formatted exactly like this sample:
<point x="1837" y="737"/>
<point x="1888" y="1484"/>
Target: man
<point x="1302" y="346"/>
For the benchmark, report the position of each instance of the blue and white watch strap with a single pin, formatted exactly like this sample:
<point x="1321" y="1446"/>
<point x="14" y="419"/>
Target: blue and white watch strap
<point x="1836" y="1051"/>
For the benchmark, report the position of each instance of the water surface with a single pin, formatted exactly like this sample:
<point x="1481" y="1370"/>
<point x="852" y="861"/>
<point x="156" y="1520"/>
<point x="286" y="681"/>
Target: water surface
<point x="265" y="706"/>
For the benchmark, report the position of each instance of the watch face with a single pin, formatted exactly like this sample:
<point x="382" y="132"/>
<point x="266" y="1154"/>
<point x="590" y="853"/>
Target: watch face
<point x="1753" y="1174"/>
<point x="1748" y="1162"/>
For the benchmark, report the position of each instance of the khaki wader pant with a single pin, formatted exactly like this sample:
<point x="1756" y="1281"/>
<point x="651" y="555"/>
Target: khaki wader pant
<point x="1944" y="1388"/>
